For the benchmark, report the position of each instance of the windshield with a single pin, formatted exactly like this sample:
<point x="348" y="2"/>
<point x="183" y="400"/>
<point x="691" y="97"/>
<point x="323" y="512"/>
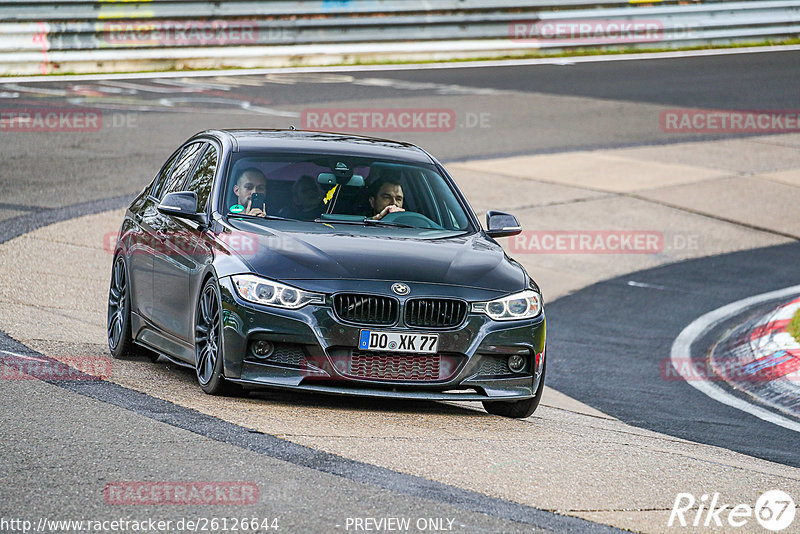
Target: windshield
<point x="319" y="189"/>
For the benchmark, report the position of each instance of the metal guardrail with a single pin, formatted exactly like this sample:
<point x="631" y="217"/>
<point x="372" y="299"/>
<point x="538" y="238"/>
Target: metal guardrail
<point x="92" y="36"/>
<point x="82" y="10"/>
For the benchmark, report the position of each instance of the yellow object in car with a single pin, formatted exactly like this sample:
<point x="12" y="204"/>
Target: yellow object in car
<point x="329" y="194"/>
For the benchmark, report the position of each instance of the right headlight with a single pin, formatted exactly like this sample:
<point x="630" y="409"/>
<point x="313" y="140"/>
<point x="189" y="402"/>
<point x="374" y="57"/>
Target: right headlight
<point x="270" y="293"/>
<point x="523" y="305"/>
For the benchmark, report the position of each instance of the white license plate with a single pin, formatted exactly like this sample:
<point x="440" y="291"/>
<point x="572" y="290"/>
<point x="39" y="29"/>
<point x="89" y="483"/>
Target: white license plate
<point x="398" y="341"/>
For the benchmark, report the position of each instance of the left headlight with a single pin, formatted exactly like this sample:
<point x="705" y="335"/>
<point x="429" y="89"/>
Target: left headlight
<point x="523" y="305"/>
<point x="262" y="291"/>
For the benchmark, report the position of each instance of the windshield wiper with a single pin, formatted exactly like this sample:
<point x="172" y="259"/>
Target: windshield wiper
<point x="265" y="217"/>
<point x="378" y="222"/>
<point x="359" y="222"/>
<point x="363" y="222"/>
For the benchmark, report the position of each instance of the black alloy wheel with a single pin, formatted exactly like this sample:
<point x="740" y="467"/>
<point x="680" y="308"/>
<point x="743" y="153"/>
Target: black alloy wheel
<point x="208" y="343"/>
<point x="118" y="325"/>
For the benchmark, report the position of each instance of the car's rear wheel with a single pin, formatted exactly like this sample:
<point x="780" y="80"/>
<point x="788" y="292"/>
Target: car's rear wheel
<point x="208" y="344"/>
<point x="118" y="324"/>
<point x="518" y="409"/>
<point x="120" y="338"/>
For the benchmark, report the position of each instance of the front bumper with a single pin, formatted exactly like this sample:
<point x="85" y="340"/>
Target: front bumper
<point x="313" y="349"/>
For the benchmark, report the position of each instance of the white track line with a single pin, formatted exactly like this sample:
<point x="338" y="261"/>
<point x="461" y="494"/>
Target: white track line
<point x="409" y="66"/>
<point x="25" y="356"/>
<point x="681" y="352"/>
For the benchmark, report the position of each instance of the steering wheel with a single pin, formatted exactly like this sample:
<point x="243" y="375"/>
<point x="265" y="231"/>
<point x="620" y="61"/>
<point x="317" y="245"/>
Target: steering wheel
<point x="411" y="218"/>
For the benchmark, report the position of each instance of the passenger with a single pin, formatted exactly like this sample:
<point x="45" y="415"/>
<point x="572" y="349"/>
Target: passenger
<point x="385" y="196"/>
<point x="250" y="180"/>
<point x="306" y="203"/>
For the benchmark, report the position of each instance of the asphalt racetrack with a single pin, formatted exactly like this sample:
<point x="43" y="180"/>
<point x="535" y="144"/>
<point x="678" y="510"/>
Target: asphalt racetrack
<point x="575" y="147"/>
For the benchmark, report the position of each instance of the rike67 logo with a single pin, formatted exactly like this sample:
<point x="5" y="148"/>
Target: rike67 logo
<point x="774" y="510"/>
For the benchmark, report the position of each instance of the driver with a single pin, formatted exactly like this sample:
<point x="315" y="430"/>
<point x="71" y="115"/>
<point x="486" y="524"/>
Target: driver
<point x="385" y="196"/>
<point x="250" y="181"/>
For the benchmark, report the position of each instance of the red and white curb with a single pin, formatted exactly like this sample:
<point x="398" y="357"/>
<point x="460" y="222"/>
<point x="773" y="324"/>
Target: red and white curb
<point x="760" y="351"/>
<point x="773" y="376"/>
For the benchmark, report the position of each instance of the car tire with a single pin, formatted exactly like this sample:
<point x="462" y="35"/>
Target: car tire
<point x="118" y="325"/>
<point x="208" y="345"/>
<point x="518" y="409"/>
<point x="118" y="322"/>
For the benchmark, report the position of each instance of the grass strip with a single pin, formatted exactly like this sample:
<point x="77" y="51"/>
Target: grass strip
<point x="794" y="326"/>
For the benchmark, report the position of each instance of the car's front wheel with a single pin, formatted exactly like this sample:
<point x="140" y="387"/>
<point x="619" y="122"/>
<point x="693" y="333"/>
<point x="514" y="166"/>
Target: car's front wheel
<point x="518" y="409"/>
<point x="208" y="344"/>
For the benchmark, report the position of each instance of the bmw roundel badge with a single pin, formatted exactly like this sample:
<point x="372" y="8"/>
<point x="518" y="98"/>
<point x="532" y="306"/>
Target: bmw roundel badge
<point x="401" y="289"/>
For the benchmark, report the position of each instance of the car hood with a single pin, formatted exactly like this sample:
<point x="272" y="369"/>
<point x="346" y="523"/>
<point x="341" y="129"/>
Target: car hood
<point x="468" y="261"/>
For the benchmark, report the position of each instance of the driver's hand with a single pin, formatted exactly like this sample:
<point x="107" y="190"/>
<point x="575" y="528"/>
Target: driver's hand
<point x="258" y="212"/>
<point x="388" y="209"/>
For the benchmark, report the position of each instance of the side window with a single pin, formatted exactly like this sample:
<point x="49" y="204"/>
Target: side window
<point x="203" y="178"/>
<point x="158" y="183"/>
<point x="183" y="167"/>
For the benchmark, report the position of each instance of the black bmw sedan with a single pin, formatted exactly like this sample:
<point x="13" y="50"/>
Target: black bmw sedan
<point x="327" y="263"/>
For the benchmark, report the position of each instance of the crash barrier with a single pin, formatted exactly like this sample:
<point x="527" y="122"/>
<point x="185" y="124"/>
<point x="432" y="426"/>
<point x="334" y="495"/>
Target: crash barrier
<point x="106" y="35"/>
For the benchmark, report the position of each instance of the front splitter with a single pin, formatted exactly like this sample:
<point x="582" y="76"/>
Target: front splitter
<point x="522" y="394"/>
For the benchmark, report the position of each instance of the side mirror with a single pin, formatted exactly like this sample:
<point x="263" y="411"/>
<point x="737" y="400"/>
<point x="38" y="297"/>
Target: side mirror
<point x="499" y="224"/>
<point x="182" y="204"/>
